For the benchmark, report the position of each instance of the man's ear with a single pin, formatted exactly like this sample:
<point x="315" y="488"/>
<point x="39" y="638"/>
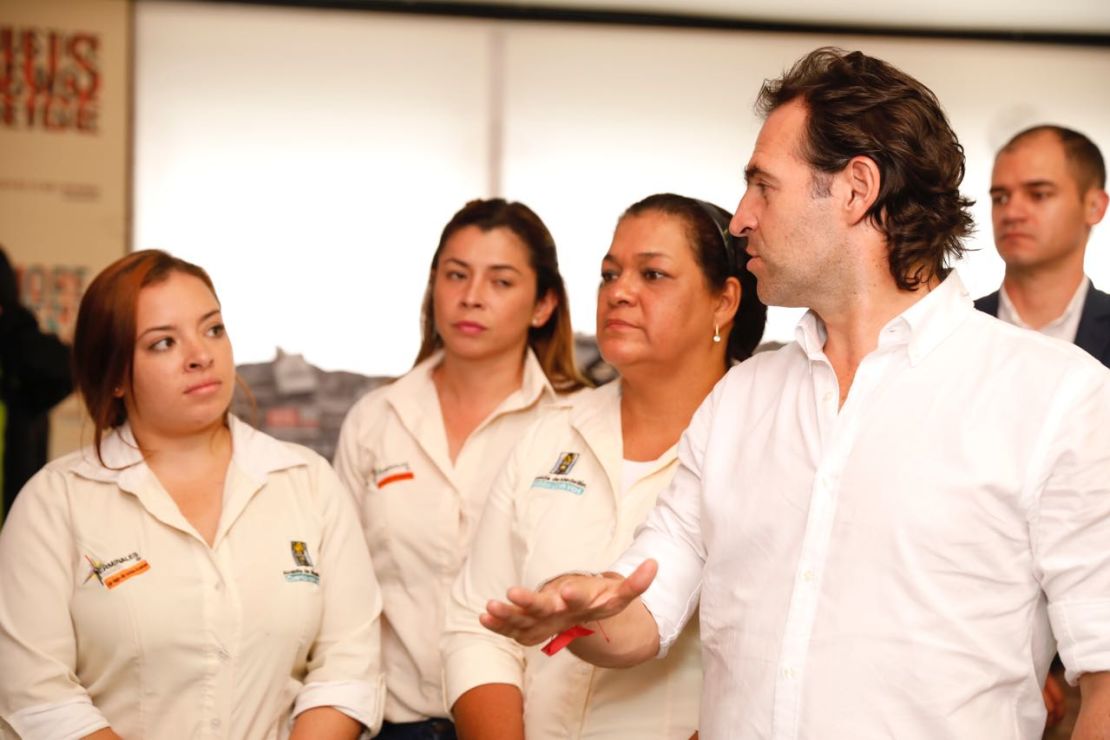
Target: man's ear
<point x="862" y="178"/>
<point x="1094" y="205"/>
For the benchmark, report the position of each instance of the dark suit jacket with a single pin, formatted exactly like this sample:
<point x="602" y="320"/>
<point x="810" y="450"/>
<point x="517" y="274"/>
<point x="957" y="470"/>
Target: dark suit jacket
<point x="1094" y="324"/>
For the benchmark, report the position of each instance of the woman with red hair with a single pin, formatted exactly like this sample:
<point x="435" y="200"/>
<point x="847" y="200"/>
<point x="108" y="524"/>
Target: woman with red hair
<point x="186" y="575"/>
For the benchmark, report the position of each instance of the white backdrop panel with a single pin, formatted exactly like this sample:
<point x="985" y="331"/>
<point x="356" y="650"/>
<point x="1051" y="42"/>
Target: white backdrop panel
<point x="598" y="117"/>
<point x="309" y="159"/>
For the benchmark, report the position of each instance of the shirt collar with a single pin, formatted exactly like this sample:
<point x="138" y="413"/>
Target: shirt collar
<point x="409" y="393"/>
<point x="596" y="415"/>
<point x="1009" y="314"/>
<point x="253" y="452"/>
<point x="921" y="327"/>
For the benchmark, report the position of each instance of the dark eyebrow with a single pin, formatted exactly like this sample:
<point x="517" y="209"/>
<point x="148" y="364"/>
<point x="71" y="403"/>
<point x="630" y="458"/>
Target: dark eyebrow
<point x="171" y="327"/>
<point x="639" y="256"/>
<point x="753" y="171"/>
<point x="166" y="327"/>
<point x="468" y="266"/>
<point x="1026" y="185"/>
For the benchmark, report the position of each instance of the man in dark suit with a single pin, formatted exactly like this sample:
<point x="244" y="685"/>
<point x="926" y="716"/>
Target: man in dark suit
<point x="1047" y="192"/>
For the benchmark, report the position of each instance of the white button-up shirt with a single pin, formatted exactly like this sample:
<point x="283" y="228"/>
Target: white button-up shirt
<point x="897" y="568"/>
<point x="559" y="505"/>
<point x="1063" y="327"/>
<point x="419" y="511"/>
<point x="114" y="611"/>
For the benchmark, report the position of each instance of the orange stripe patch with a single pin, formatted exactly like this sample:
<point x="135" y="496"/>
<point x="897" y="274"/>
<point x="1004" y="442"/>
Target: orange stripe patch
<point x="394" y="478"/>
<point x="118" y="578"/>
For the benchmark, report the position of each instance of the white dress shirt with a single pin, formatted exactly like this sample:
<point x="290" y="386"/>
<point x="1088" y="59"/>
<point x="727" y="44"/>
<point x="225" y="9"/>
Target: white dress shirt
<point x="419" y="511"/>
<point x="114" y="611"/>
<point x="897" y="568"/>
<point x="1064" y="327"/>
<point x="558" y="506"/>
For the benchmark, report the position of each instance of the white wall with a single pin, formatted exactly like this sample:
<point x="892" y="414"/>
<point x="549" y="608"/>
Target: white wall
<point x="310" y="158"/>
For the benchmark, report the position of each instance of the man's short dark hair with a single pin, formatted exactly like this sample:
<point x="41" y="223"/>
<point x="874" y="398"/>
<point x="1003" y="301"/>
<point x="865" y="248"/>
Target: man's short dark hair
<point x="861" y="106"/>
<point x="1083" y="156"/>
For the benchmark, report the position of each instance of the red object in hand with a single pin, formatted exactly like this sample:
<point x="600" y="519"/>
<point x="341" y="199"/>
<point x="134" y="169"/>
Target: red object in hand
<point x="564" y="638"/>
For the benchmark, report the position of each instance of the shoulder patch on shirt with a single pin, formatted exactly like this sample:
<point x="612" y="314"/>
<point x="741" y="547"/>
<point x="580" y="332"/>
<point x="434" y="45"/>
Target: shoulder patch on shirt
<point x="392" y="474"/>
<point x="114" y="572"/>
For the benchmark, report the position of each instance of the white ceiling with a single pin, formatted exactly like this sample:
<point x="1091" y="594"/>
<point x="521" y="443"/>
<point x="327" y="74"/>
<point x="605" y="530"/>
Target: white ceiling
<point x="1030" y="16"/>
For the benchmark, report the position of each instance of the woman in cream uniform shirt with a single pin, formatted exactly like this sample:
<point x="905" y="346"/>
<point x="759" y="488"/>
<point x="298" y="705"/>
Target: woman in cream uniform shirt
<point x="676" y="306"/>
<point x="419" y="455"/>
<point x="186" y="576"/>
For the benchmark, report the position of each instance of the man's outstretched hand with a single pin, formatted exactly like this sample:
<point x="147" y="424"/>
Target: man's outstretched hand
<point x="531" y="617"/>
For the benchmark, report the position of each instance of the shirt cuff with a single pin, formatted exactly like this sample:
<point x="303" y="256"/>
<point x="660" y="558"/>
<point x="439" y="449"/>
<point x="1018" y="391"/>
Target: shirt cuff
<point x="477" y="665"/>
<point x="66" y="720"/>
<point x="1081" y="636"/>
<point x="362" y="701"/>
<point x="670" y="608"/>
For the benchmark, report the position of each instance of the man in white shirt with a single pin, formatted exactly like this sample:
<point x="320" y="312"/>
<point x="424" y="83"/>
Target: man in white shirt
<point x="889" y="524"/>
<point x="1047" y="193"/>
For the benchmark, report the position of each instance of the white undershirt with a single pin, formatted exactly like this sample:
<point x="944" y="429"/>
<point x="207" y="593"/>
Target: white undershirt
<point x="632" y="471"/>
<point x="1065" y="326"/>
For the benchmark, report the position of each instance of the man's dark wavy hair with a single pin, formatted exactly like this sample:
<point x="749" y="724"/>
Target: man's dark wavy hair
<point x="861" y="106"/>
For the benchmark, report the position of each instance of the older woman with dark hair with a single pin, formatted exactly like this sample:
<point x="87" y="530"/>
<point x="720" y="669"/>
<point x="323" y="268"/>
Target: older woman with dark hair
<point x="676" y="307"/>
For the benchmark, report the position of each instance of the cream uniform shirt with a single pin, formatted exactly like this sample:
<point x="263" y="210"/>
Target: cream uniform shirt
<point x="419" y="512"/>
<point x="113" y="610"/>
<point x="558" y="507"/>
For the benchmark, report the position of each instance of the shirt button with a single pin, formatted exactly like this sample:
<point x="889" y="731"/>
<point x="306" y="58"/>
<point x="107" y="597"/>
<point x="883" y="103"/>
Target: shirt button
<point x="788" y="673"/>
<point x="808" y="576"/>
<point x="215" y="724"/>
<point x="829" y="397"/>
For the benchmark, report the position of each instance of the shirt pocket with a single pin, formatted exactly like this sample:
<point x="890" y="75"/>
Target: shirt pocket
<point x="280" y="587"/>
<point x="113" y="578"/>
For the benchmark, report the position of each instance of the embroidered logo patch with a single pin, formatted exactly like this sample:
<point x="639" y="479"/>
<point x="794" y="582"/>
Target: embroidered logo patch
<point x="575" y="487"/>
<point x="300" y="554"/>
<point x="392" y="474"/>
<point x="565" y="463"/>
<point x="557" y="480"/>
<point x="114" y="572"/>
<point x="304" y="572"/>
<point x="303" y="576"/>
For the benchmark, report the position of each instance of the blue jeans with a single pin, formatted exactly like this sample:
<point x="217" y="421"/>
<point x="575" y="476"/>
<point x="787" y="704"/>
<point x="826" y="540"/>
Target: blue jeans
<point x="429" y="729"/>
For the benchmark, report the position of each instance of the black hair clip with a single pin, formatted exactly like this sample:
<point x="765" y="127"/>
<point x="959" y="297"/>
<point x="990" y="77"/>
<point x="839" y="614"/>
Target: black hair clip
<point x="729" y="241"/>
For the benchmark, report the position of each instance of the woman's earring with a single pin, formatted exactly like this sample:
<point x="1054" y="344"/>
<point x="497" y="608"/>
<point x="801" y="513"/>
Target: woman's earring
<point x="716" y="334"/>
